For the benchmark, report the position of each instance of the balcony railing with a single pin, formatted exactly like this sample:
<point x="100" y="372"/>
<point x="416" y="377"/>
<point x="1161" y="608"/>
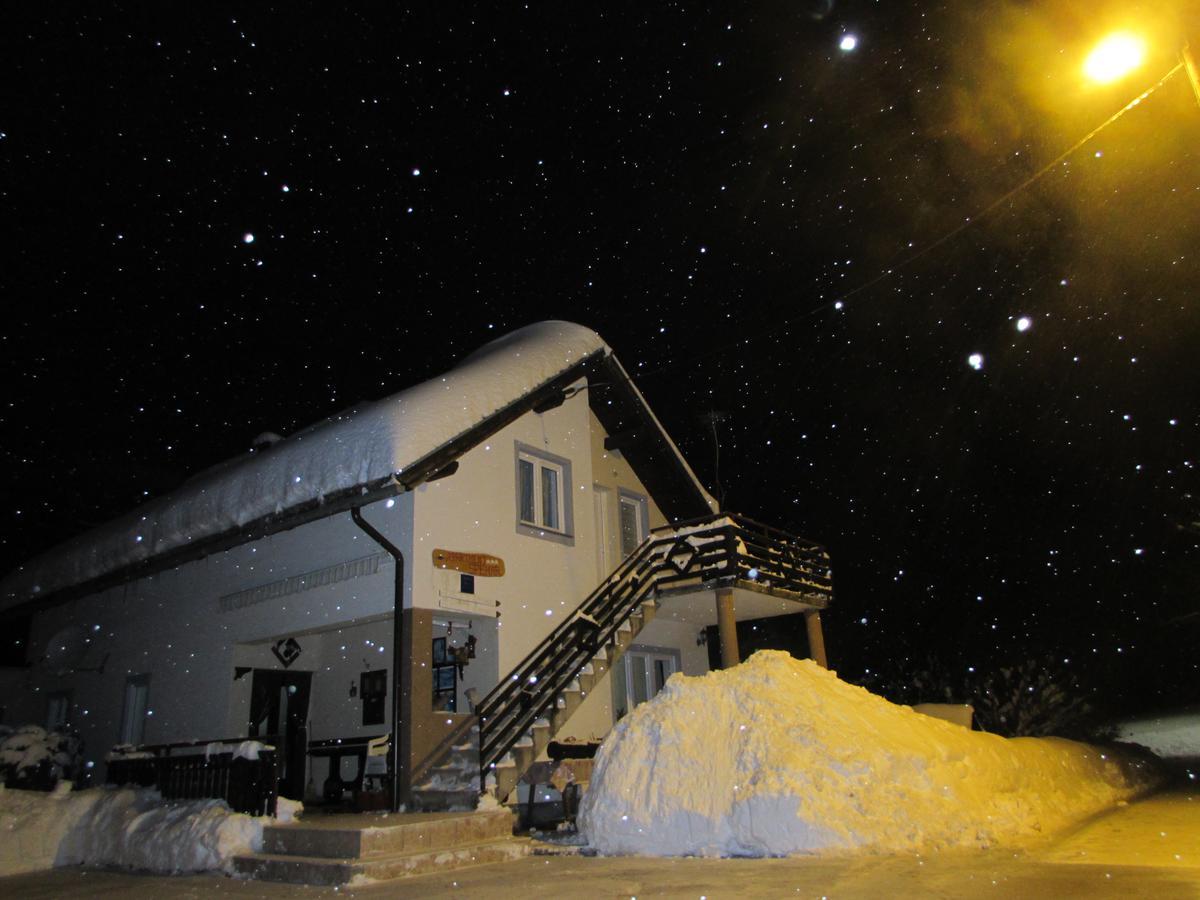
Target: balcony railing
<point x="245" y="777"/>
<point x="716" y="551"/>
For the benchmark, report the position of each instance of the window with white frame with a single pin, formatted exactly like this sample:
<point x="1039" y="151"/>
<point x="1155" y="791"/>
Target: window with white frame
<point x="633" y="522"/>
<point x="133" y="714"/>
<point x="58" y="710"/>
<point x="640" y="674"/>
<point x="543" y="486"/>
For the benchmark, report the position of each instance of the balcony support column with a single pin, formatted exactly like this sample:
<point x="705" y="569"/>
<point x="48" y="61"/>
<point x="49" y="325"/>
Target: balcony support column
<point x="727" y="628"/>
<point x="816" y="638"/>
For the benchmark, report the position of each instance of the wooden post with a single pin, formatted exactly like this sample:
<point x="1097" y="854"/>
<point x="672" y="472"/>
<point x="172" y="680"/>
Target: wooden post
<point x="727" y="628"/>
<point x="816" y="639"/>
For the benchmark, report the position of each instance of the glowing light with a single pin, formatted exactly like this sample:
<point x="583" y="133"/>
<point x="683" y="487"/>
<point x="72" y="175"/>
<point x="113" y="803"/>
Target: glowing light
<point x="1023" y="323"/>
<point x="848" y="42"/>
<point x="975" y="361"/>
<point x="247" y="238"/>
<point x="1114" y="57"/>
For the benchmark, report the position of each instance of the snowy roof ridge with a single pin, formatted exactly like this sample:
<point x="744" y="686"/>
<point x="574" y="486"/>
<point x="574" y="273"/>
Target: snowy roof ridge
<point x="353" y="449"/>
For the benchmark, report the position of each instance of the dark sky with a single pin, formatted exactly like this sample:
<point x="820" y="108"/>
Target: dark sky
<point x="751" y="216"/>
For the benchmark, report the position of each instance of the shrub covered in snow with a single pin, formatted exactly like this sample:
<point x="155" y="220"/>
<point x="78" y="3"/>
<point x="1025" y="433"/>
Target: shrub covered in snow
<point x="779" y="756"/>
<point x="32" y="758"/>
<point x="1038" y="697"/>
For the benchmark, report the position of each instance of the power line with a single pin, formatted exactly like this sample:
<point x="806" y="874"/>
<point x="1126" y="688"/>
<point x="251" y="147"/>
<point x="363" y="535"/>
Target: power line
<point x="943" y="239"/>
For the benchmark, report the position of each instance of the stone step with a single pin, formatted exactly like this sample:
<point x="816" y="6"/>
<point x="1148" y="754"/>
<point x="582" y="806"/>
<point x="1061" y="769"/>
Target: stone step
<point x="317" y="870"/>
<point x="393" y="834"/>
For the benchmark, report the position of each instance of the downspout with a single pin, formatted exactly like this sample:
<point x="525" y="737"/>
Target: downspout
<point x="397" y="638"/>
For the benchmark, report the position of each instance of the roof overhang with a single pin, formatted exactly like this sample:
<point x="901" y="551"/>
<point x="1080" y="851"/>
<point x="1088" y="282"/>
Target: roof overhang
<point x="614" y="399"/>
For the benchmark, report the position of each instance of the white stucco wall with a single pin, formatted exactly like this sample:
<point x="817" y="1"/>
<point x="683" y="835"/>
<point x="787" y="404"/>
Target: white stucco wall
<point x="173" y="627"/>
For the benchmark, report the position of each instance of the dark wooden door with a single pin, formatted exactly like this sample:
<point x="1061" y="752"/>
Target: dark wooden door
<point x="279" y="705"/>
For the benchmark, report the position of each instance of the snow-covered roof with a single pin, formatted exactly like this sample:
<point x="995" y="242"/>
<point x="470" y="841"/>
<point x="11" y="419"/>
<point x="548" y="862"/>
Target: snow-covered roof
<point x="356" y="448"/>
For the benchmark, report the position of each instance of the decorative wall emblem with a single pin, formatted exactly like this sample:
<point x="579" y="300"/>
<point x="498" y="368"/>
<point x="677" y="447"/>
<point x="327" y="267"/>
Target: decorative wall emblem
<point x="286" y="650"/>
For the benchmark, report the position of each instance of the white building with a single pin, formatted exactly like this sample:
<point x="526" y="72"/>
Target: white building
<point x="488" y="503"/>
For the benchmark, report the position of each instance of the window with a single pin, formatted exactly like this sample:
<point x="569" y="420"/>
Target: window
<point x="633" y="522"/>
<point x="133" y="714"/>
<point x="445" y="677"/>
<point x="543" y="494"/>
<point x="58" y="710"/>
<point x="372" y="687"/>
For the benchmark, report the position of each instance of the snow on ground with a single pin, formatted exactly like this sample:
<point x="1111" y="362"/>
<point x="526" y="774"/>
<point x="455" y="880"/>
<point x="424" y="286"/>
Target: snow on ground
<point x="779" y="756"/>
<point x="120" y="827"/>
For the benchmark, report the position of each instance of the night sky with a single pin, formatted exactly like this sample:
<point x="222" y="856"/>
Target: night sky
<point x="223" y="223"/>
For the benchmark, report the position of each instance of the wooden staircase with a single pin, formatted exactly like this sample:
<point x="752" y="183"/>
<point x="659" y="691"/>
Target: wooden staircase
<point x="505" y="774"/>
<point x="519" y="717"/>
<point x="452" y="784"/>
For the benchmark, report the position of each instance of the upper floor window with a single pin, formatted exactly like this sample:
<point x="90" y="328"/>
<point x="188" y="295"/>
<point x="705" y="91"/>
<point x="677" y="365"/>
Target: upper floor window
<point x="543" y="493"/>
<point x="135" y="710"/>
<point x="634" y="522"/>
<point x="58" y="710"/>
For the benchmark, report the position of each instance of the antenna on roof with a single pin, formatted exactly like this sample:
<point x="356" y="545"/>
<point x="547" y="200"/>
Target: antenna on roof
<point x="712" y="418"/>
<point x="66" y="650"/>
<point x="265" y="441"/>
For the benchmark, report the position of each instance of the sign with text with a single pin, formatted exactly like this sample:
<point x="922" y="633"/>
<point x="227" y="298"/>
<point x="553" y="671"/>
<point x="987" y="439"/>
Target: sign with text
<point x="482" y="564"/>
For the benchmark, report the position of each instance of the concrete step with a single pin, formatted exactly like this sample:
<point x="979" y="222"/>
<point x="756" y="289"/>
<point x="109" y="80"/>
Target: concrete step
<point x="451" y="772"/>
<point x="568" y="702"/>
<point x="317" y="870"/>
<point x="448" y="799"/>
<point x="384" y="836"/>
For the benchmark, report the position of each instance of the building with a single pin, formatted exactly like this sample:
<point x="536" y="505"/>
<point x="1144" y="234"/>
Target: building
<point x="525" y="512"/>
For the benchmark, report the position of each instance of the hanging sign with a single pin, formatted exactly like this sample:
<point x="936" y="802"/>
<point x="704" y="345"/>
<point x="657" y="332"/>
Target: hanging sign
<point x="483" y="564"/>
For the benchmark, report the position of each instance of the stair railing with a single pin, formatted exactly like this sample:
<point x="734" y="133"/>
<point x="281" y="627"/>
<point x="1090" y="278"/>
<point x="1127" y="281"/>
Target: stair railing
<point x="716" y="550"/>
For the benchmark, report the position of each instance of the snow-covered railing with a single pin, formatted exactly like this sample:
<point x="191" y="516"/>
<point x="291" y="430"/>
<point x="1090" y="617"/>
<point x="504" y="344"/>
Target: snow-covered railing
<point x="722" y="550"/>
<point x="244" y="773"/>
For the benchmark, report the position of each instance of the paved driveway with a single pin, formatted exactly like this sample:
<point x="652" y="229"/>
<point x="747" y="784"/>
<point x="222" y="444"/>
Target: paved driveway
<point x="1147" y="849"/>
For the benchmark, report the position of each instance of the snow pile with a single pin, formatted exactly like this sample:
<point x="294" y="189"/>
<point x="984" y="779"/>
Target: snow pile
<point x="779" y="756"/>
<point x="360" y="447"/>
<point x="131" y="828"/>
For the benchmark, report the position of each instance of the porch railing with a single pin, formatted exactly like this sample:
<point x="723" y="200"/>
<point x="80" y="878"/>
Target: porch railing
<point x="197" y="770"/>
<point x="715" y="551"/>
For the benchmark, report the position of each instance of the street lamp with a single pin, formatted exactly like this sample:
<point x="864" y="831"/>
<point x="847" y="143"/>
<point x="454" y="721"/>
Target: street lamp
<point x="1114" y="57"/>
<point x="1119" y="54"/>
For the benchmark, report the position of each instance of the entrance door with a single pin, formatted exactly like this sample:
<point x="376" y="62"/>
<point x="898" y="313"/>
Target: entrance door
<point x="279" y="706"/>
<point x="646" y="671"/>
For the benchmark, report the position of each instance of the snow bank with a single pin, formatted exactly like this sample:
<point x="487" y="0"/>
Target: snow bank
<point x="1171" y="735"/>
<point x="129" y="828"/>
<point x="359" y="447"/>
<point x="779" y="756"/>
